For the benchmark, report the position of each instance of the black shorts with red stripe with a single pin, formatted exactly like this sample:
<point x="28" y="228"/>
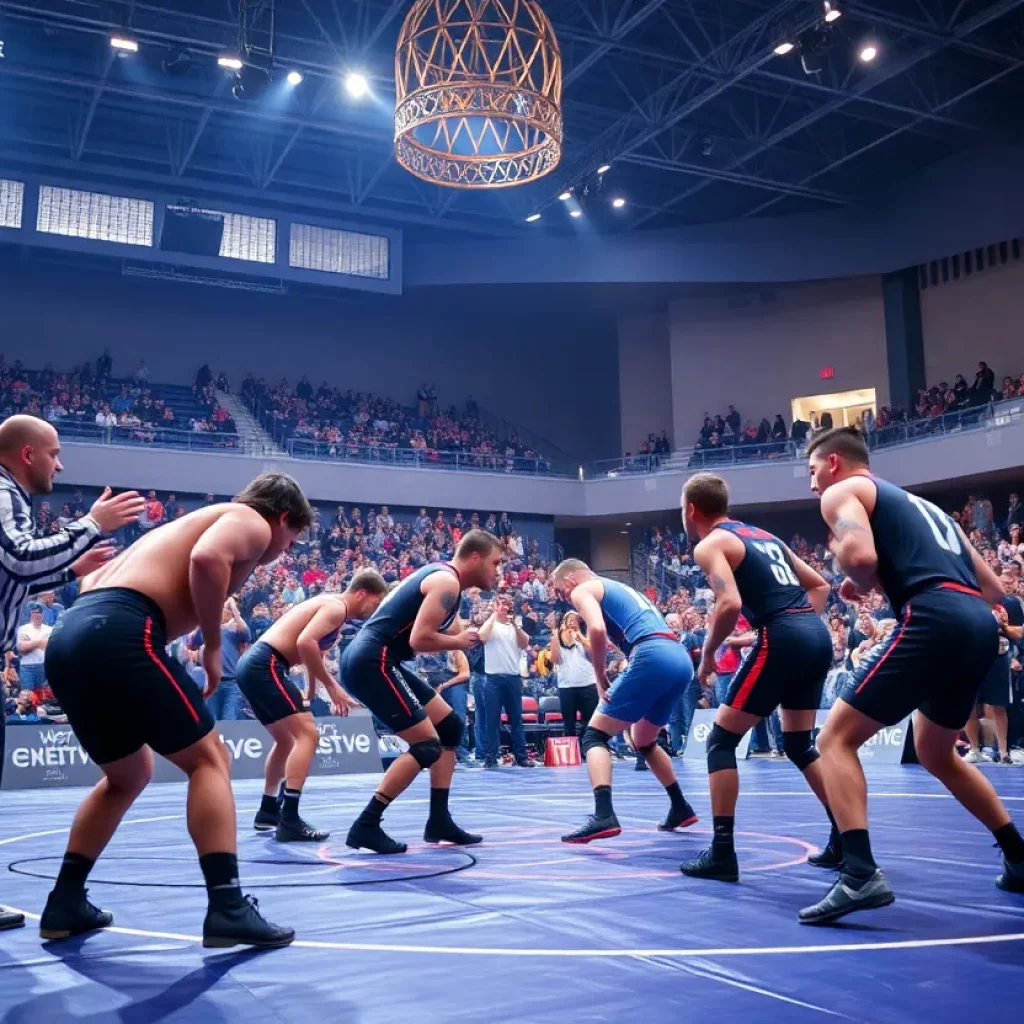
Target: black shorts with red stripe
<point x="785" y="667"/>
<point x="107" y="663"/>
<point x="935" y="660"/>
<point x="264" y="681"/>
<point x="395" y="695"/>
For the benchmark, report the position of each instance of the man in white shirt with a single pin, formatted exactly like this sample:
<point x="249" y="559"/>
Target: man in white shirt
<point x="32" y="640"/>
<point x="503" y="642"/>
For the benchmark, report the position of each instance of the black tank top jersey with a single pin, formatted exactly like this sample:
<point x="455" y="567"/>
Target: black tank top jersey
<point x="918" y="545"/>
<point x="766" y="579"/>
<point x="391" y="624"/>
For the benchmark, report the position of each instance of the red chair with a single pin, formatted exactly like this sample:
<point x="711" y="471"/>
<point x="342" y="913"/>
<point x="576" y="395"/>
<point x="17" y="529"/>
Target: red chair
<point x="550" y="708"/>
<point x="531" y="711"/>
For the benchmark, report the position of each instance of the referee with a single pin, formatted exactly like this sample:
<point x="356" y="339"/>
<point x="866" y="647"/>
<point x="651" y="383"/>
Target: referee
<point x="29" y="460"/>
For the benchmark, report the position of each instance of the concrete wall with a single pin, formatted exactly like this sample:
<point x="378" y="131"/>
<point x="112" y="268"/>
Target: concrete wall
<point x="645" y="379"/>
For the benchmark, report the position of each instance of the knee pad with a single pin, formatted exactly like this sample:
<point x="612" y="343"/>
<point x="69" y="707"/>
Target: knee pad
<point x="426" y="753"/>
<point x="800" y="749"/>
<point x="648" y="750"/>
<point x="449" y="731"/>
<point x="593" y="738"/>
<point x="722" y="746"/>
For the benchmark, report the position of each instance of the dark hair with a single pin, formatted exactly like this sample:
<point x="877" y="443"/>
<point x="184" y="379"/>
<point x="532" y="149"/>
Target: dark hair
<point x="274" y="494"/>
<point x="477" y="542"/>
<point x="370" y="581"/>
<point x="708" y="493"/>
<point x="845" y="441"/>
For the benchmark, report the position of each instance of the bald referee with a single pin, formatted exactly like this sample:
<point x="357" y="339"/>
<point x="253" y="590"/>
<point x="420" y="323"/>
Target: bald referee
<point x="29" y="460"/>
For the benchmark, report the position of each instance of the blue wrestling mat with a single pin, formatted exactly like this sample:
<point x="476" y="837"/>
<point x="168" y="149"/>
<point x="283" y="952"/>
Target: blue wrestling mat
<point x="525" y="929"/>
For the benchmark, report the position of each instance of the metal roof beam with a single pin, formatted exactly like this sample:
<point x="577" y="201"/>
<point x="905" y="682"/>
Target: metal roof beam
<point x="884" y="74"/>
<point x="619" y="32"/>
<point x="960" y="97"/>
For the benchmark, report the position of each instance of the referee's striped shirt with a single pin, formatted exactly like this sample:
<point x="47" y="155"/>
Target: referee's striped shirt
<point x="29" y="564"/>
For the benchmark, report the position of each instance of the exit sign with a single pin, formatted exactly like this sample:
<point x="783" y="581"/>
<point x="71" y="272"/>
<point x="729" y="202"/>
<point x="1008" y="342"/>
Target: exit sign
<point x="828" y="373"/>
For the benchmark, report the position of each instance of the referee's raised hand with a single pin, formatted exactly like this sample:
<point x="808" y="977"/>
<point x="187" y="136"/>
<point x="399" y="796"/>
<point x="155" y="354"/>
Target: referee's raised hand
<point x="112" y="511"/>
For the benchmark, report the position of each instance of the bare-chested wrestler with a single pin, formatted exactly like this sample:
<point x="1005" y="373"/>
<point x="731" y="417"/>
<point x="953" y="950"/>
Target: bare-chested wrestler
<point x="303" y="634"/>
<point x="167" y="584"/>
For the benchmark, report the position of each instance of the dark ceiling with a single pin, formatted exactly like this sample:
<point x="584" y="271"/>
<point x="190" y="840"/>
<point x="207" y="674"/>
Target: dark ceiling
<point x="700" y="120"/>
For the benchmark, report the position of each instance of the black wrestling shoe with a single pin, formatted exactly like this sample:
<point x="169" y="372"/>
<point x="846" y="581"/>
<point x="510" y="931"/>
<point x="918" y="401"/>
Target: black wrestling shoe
<point x="831" y="858"/>
<point x="243" y="925"/>
<point x="372" y="837"/>
<point x="446" y="831"/>
<point x="65" y="916"/>
<point x="10" y="919"/>
<point x="844" y="899"/>
<point x="594" y="828"/>
<point x="679" y="817"/>
<point x="1012" y="878"/>
<point x="719" y="867"/>
<point x="265" y="821"/>
<point x="299" y="832"/>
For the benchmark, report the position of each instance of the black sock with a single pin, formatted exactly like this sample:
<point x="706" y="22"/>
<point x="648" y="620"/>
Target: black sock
<point x="603" y="801"/>
<point x="835" y="838"/>
<point x="74" y="870"/>
<point x="221" y="873"/>
<point x="1010" y="842"/>
<point x="374" y="810"/>
<point x="290" y="805"/>
<point x="723" y="840"/>
<point x="439" y="803"/>
<point x="857" y="853"/>
<point x="675" y="794"/>
<point x="269" y="805"/>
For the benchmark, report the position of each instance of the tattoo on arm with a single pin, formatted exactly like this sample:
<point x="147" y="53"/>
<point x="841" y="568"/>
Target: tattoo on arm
<point x="718" y="584"/>
<point x="449" y="601"/>
<point x="843" y="527"/>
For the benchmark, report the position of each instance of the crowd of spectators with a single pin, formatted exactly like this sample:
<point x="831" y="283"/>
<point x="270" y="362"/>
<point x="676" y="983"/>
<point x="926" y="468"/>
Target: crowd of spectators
<point x="358" y="425"/>
<point x="728" y="437"/>
<point x="88" y="397"/>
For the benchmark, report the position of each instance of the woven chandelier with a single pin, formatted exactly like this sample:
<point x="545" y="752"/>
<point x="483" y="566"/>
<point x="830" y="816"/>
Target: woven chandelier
<point x="479" y="93"/>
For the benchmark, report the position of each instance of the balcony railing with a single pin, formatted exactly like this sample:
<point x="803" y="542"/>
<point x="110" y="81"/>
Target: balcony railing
<point x="982" y="417"/>
<point x="71" y="429"/>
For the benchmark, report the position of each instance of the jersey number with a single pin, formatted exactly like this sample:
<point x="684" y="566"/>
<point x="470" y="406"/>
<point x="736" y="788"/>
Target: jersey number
<point x="943" y="528"/>
<point x="781" y="569"/>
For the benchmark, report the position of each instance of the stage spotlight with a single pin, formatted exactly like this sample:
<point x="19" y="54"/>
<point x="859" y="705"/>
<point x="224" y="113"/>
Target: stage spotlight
<point x="230" y="63"/>
<point x="604" y="168"/>
<point x="618" y="202"/>
<point x="783" y="48"/>
<point x="294" y="78"/>
<point x="832" y="13"/>
<point x="868" y="53"/>
<point x="124" y="44"/>
<point x="566" y="195"/>
<point x="575" y="213"/>
<point x="532" y="218"/>
<point x="356" y="85"/>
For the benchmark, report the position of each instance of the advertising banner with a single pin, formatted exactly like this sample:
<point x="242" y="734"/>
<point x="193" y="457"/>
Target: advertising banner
<point x="49" y="756"/>
<point x="887" y="746"/>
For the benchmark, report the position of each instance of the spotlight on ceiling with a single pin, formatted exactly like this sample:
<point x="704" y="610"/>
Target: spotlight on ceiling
<point x="294" y="78"/>
<point x="618" y="202"/>
<point x="604" y="168"/>
<point x="566" y="195"/>
<point x="868" y="53"/>
<point x="124" y="44"/>
<point x="230" y="63"/>
<point x="832" y="13"/>
<point x="575" y="213"/>
<point x="783" y="48"/>
<point x="356" y="85"/>
<point x="533" y="218"/>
